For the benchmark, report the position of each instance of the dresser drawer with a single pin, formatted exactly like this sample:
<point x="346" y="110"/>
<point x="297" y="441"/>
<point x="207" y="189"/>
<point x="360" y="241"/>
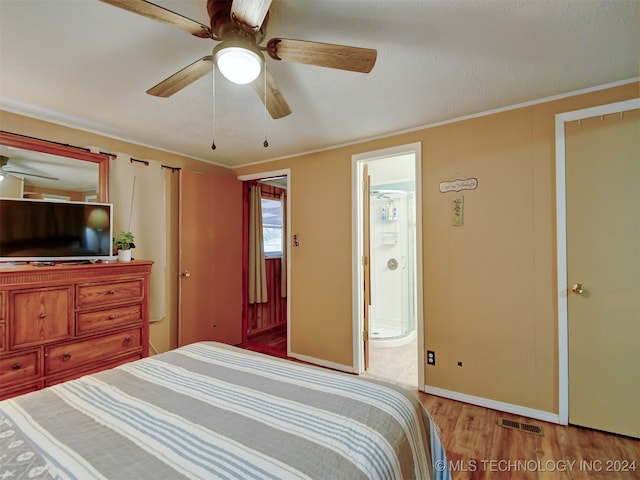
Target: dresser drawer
<point x="61" y="358"/>
<point x="98" y="294"/>
<point x="19" y="367"/>
<point x="99" y="368"/>
<point x="92" y="322"/>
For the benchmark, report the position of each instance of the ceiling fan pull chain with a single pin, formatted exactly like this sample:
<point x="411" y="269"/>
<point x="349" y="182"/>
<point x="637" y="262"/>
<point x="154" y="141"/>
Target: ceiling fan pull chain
<point x="213" y="89"/>
<point x="265" y="144"/>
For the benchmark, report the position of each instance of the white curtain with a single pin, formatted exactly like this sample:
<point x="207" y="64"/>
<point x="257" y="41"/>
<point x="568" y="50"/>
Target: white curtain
<point x="136" y="191"/>
<point x="257" y="268"/>
<point x="283" y="259"/>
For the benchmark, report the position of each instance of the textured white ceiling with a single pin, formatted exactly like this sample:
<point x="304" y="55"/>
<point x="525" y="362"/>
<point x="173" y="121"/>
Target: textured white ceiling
<point x="88" y="64"/>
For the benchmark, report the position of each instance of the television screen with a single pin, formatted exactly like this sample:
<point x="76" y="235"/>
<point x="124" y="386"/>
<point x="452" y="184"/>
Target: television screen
<point x="43" y="230"/>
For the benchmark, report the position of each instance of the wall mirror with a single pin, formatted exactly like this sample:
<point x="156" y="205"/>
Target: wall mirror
<point x="34" y="168"/>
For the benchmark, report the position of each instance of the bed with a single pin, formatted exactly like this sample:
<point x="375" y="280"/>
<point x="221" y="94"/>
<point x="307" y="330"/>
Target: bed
<point x="209" y="410"/>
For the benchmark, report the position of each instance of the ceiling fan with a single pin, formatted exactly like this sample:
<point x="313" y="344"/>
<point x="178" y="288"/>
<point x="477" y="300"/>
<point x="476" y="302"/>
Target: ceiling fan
<point x="240" y="27"/>
<point x="6" y="169"/>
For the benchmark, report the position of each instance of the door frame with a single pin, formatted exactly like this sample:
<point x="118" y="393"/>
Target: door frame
<point x="561" y="239"/>
<point x="357" y="163"/>
<point x="365" y="224"/>
<point x="280" y="173"/>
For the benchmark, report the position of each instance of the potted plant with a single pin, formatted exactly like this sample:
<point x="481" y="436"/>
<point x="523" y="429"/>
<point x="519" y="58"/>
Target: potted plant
<point x="124" y="243"/>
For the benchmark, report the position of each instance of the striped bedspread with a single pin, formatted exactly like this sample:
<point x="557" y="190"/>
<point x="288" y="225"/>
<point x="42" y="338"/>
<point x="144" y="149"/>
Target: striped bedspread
<point x="209" y="411"/>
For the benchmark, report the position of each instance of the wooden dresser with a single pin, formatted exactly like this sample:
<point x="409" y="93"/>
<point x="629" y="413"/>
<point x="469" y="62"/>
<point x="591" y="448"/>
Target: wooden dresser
<point x="63" y="321"/>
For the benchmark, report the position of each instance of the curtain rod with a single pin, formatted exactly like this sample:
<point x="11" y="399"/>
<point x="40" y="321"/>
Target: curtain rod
<point x="131" y="159"/>
<point x="145" y="162"/>
<point x="50" y="141"/>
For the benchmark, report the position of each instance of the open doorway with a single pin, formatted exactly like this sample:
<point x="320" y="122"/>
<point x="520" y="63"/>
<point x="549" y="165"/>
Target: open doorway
<point x="266" y="289"/>
<point x="393" y="344"/>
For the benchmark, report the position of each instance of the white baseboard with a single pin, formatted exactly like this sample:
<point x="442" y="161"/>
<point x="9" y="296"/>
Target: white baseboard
<point x="494" y="404"/>
<point x="323" y="363"/>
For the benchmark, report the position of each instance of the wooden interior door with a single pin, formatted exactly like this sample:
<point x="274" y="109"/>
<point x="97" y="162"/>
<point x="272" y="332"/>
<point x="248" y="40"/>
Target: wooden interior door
<point x="366" y="259"/>
<point x="603" y="266"/>
<point x="210" y="260"/>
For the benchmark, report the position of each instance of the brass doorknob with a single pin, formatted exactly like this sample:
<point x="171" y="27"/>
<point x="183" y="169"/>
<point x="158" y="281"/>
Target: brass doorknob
<point x="186" y="274"/>
<point x="577" y="288"/>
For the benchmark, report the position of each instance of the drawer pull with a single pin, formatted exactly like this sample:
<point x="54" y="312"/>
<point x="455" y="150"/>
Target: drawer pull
<point x="127" y="340"/>
<point x="66" y="356"/>
<point x="17" y="366"/>
<point x="112" y="292"/>
<point x="43" y="315"/>
<point x="112" y="317"/>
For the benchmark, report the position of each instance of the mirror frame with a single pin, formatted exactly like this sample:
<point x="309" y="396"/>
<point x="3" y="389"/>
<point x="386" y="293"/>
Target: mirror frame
<point x="77" y="153"/>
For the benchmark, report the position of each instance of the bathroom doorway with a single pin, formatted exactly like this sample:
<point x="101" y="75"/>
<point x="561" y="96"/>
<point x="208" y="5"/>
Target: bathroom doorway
<point x="393" y="338"/>
<point x="392" y="249"/>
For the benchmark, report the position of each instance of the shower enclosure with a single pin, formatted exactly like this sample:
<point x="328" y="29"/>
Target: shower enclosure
<point x="393" y="287"/>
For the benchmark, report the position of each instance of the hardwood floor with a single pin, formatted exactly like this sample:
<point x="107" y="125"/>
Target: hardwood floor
<point x="272" y="342"/>
<point x="478" y="448"/>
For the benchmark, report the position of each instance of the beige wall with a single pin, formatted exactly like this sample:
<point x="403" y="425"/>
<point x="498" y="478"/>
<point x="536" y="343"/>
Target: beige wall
<point x="489" y="286"/>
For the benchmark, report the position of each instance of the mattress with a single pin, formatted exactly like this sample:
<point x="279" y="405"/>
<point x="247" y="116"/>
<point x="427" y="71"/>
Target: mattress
<point x="213" y="411"/>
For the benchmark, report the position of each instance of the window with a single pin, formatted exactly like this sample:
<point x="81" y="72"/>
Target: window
<point x="272" y="227"/>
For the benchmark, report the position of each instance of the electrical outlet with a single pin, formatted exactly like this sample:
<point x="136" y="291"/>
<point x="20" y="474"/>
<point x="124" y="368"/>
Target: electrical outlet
<point x="431" y="357"/>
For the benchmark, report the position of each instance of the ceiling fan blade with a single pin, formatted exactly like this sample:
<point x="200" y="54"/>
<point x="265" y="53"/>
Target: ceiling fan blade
<point x="250" y="13"/>
<point x="13" y="172"/>
<point x="342" y="57"/>
<point x="161" y="14"/>
<point x="275" y="103"/>
<point x="183" y="78"/>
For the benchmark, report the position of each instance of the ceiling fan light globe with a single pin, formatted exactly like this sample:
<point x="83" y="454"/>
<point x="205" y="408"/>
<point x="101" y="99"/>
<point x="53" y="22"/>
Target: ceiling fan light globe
<point x="239" y="65"/>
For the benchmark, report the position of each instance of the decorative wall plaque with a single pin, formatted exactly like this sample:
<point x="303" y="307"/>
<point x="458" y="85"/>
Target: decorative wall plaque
<point x="459" y="184"/>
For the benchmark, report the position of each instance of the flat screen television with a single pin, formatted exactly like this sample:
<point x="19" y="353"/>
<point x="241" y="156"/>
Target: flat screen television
<point x="45" y="230"/>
